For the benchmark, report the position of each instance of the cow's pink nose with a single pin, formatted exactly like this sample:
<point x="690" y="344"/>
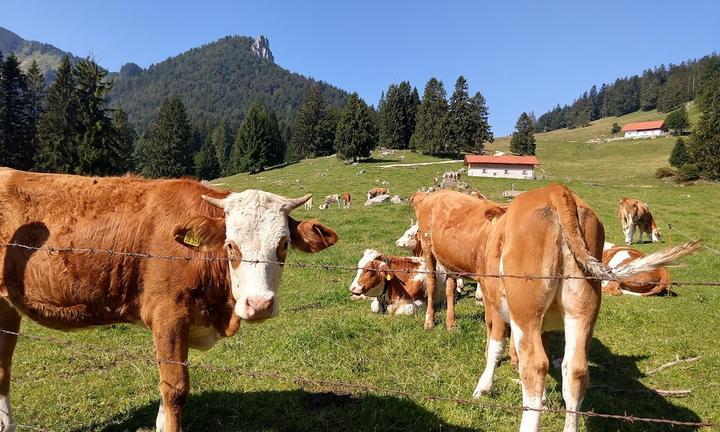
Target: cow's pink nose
<point x="260" y="306"/>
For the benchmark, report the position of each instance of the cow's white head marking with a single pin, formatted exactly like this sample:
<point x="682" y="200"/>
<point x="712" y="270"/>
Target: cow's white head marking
<point x="369" y="279"/>
<point x="409" y="238"/>
<point x="258" y="233"/>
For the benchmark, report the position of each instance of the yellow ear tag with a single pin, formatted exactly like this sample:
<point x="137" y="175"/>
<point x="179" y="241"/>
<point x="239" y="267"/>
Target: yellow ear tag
<point x="492" y="222"/>
<point x="389" y="276"/>
<point x="190" y="239"/>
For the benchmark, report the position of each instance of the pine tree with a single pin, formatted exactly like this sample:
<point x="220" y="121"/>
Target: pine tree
<point x="463" y="118"/>
<point x="356" y="133"/>
<point x="207" y="166"/>
<point x="96" y="142"/>
<point x="705" y="141"/>
<point x="120" y="155"/>
<point x="313" y="131"/>
<point x="430" y="135"/>
<point x="167" y="151"/>
<point x="258" y="143"/>
<point x="396" y="116"/>
<point x="483" y="132"/>
<point x="222" y="141"/>
<point x="523" y="140"/>
<point x="16" y="127"/>
<point x="679" y="155"/>
<point x="34" y="96"/>
<point x="58" y="125"/>
<point x="678" y="120"/>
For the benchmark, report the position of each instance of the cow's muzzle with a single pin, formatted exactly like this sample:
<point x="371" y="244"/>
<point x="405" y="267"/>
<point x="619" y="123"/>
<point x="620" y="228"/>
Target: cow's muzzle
<point x="257" y="307"/>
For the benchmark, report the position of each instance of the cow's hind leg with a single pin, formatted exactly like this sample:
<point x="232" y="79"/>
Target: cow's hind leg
<point x="493" y="349"/>
<point x="170" y="334"/>
<point x="450" y="301"/>
<point x="533" y="365"/>
<point x="429" y="286"/>
<point x="575" y="376"/>
<point x="9" y="321"/>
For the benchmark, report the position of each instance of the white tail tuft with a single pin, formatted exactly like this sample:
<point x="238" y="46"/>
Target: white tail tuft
<point x="657" y="259"/>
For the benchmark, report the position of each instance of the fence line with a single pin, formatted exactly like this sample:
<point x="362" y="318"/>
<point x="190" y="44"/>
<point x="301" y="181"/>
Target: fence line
<point x="354" y="389"/>
<point x="322" y="266"/>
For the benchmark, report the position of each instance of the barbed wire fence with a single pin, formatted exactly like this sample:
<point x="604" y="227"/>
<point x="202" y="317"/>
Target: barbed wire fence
<point x="323" y="383"/>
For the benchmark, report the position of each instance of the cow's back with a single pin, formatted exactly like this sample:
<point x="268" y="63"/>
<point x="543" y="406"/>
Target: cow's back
<point x="102" y="215"/>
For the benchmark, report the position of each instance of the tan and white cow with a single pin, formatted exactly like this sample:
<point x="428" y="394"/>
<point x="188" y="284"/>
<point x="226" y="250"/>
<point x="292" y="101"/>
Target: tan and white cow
<point x="330" y="200"/>
<point x="185" y="304"/>
<point x="635" y="214"/>
<point x="549" y="233"/>
<point x="346" y="199"/>
<point x="377" y="191"/>
<point x="649" y="283"/>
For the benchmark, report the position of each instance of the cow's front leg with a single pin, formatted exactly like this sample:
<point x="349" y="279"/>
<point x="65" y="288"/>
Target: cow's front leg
<point x="450" y="298"/>
<point x="170" y="334"/>
<point x="629" y="232"/>
<point x="429" y="288"/>
<point x="10" y="321"/>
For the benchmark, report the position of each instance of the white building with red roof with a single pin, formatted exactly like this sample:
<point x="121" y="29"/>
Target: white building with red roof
<point x="503" y="166"/>
<point x="648" y="129"/>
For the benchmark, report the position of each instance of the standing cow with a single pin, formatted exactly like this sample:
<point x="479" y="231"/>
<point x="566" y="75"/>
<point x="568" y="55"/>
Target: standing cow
<point x="636" y="214"/>
<point x="346" y="199"/>
<point x="330" y="200"/>
<point x="185" y="304"/>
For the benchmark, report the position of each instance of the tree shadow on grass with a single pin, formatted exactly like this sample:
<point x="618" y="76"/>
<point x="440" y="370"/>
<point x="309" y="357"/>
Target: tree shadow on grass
<point x="374" y="161"/>
<point x="293" y="410"/>
<point x="615" y="388"/>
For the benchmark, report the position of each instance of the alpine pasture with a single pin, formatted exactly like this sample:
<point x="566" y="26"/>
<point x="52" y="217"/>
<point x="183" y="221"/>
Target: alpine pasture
<point x="104" y="379"/>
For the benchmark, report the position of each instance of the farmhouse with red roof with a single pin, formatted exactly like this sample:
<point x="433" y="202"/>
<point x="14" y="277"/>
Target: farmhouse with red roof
<point x="648" y="129"/>
<point x="503" y="165"/>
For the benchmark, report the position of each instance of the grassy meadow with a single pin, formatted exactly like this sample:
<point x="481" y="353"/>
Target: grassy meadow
<point x="321" y="333"/>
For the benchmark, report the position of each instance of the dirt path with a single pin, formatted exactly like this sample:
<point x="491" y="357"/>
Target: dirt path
<point x="419" y="164"/>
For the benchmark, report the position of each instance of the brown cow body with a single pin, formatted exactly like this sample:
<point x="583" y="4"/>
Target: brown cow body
<point x="184" y="303"/>
<point x="372" y="193"/>
<point x="346" y="199"/>
<point x="649" y="283"/>
<point x="636" y="214"/>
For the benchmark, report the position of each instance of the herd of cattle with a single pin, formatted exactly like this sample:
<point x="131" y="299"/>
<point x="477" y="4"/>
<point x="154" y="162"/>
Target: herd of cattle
<point x="194" y="302"/>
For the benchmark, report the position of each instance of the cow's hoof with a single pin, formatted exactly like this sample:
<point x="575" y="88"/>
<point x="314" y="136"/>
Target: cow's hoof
<point x="450" y="326"/>
<point x="482" y="389"/>
<point x="429" y="325"/>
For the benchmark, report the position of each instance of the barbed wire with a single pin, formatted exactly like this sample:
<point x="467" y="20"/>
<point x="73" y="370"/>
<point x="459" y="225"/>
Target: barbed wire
<point x="327" y="266"/>
<point x="354" y="389"/>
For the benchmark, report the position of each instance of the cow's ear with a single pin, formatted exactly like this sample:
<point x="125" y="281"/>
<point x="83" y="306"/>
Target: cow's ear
<point x="494" y="212"/>
<point x="201" y="232"/>
<point x="311" y="235"/>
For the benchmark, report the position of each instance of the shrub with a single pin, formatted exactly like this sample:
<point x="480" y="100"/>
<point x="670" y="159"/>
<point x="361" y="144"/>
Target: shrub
<point x="687" y="172"/>
<point x="616" y="128"/>
<point x="679" y="155"/>
<point x="663" y="172"/>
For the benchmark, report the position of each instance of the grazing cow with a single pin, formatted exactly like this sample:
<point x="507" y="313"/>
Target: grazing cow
<point x="372" y="193"/>
<point x="649" y="283"/>
<point x="396" y="284"/>
<point x="550" y="233"/>
<point x="636" y="214"/>
<point x="329" y="200"/>
<point x="308" y="204"/>
<point x="184" y="303"/>
<point x="346" y="199"/>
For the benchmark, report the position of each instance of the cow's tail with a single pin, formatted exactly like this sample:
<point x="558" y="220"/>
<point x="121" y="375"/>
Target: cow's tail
<point x="661" y="258"/>
<point x="566" y="208"/>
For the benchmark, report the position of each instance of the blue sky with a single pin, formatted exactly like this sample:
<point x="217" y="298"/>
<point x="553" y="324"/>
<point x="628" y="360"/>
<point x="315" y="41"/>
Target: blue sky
<point x="521" y="55"/>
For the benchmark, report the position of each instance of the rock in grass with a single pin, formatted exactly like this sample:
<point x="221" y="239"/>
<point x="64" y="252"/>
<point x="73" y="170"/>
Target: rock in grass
<point x="397" y="199"/>
<point x="377" y="200"/>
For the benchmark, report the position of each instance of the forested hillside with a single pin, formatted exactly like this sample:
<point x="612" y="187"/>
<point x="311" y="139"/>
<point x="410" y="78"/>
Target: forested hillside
<point x="662" y="88"/>
<point x="216" y="81"/>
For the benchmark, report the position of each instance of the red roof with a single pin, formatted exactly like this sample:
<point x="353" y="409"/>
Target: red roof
<point x="648" y="125"/>
<point x="502" y="160"/>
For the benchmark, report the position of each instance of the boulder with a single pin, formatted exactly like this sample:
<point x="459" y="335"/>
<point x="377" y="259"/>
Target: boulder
<point x="397" y="199"/>
<point x="377" y="200"/>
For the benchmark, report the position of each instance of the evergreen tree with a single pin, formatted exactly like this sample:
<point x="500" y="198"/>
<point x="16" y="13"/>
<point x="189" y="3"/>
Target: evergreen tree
<point x="678" y="120"/>
<point x="120" y="155"/>
<point x="679" y="155"/>
<point x="396" y="117"/>
<point x="167" y="151"/>
<point x="523" y="140"/>
<point x="207" y="166"/>
<point x="258" y="143"/>
<point x="96" y="142"/>
<point x="313" y="131"/>
<point x="463" y="118"/>
<point x="649" y="90"/>
<point x="222" y="141"/>
<point x="356" y="133"/>
<point x="705" y="142"/>
<point x="58" y="126"/>
<point x="35" y="95"/>
<point x="430" y="135"/>
<point x="483" y="133"/>
<point x="16" y="127"/>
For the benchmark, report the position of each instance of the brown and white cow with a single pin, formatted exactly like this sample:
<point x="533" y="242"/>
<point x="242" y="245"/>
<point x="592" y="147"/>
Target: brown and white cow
<point x="649" y="283"/>
<point x="185" y="304"/>
<point x="330" y="200"/>
<point x="346" y="199"/>
<point x="377" y="191"/>
<point x="636" y="214"/>
<point x="549" y="233"/>
<point x="396" y="284"/>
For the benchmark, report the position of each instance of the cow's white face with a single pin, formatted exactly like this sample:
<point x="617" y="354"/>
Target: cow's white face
<point x="368" y="281"/>
<point x="258" y="236"/>
<point x="409" y="239"/>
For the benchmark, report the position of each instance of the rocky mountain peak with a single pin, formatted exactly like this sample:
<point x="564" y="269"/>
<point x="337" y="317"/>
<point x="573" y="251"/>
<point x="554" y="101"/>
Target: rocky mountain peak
<point x="261" y="48"/>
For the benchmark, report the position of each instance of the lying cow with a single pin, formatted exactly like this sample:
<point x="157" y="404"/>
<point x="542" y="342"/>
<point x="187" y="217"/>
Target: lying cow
<point x="649" y="283"/>
<point x="636" y="214"/>
<point x="329" y="200"/>
<point x="372" y="193"/>
<point x="184" y="303"/>
<point x="346" y="199"/>
<point x="396" y="284"/>
<point x="549" y="233"/>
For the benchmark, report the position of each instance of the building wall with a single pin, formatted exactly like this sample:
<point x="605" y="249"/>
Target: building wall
<point x="645" y="133"/>
<point x="501" y="171"/>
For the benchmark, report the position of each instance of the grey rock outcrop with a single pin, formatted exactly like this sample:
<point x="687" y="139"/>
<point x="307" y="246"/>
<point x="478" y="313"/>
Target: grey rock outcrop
<point x="397" y="199"/>
<point x="261" y="48"/>
<point x="377" y="200"/>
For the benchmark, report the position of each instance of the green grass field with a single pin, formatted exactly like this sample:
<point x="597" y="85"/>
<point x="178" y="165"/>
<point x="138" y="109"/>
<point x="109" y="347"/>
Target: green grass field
<point x="321" y="333"/>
